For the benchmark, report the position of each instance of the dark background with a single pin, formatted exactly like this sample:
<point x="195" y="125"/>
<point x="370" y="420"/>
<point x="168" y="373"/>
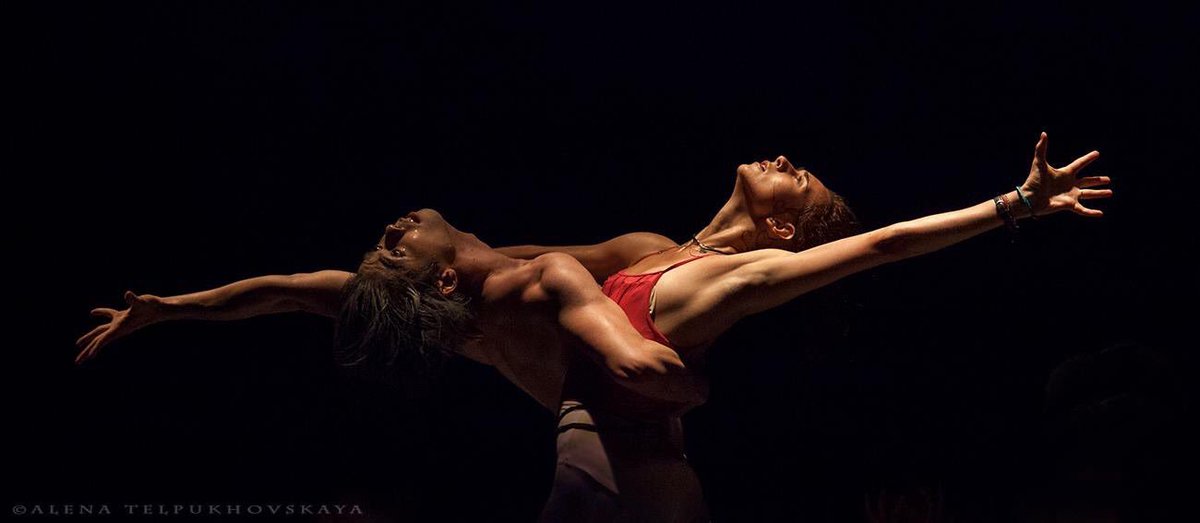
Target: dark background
<point x="169" y="147"/>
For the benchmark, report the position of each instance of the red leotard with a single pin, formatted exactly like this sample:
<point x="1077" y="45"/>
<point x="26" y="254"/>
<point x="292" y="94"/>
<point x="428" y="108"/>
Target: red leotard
<point x="635" y="294"/>
<point x="609" y="449"/>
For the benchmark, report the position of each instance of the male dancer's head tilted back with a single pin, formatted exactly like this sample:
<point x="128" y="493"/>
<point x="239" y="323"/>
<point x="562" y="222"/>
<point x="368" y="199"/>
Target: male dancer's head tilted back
<point x="427" y="290"/>
<point x="404" y="307"/>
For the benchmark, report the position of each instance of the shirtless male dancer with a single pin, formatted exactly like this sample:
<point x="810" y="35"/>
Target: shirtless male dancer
<point x="526" y="318"/>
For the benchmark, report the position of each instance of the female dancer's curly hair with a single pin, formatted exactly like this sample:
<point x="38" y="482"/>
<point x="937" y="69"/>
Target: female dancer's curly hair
<point x="818" y="224"/>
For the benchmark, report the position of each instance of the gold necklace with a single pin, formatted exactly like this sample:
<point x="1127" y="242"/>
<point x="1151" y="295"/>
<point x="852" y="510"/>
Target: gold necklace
<point x="705" y="248"/>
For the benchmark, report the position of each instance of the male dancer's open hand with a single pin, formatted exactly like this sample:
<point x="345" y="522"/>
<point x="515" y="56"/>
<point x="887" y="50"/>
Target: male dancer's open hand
<point x="143" y="310"/>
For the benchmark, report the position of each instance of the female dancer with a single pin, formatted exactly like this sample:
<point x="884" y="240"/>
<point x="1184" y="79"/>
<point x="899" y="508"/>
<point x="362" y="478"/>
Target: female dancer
<point x="743" y="262"/>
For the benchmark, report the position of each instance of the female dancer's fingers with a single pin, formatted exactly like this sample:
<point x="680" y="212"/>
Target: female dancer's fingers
<point x="104" y="312"/>
<point x="1081" y="162"/>
<point x="1084" y="211"/>
<point x="1092" y="181"/>
<point x="1091" y="194"/>
<point x="83" y="340"/>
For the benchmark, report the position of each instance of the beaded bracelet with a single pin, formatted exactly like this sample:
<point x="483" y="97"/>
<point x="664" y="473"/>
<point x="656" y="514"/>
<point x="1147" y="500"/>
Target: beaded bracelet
<point x="1026" y="202"/>
<point x="1006" y="214"/>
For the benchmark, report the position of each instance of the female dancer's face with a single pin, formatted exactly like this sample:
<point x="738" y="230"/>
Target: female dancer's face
<point x="774" y="187"/>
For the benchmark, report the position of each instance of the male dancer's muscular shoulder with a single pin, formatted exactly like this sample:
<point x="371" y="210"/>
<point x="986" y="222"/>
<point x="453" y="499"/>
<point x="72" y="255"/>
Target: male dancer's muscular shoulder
<point x="540" y="280"/>
<point x="561" y="277"/>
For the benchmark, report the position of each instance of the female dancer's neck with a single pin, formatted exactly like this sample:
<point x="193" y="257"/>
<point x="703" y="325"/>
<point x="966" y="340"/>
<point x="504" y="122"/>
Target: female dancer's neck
<point x="731" y="230"/>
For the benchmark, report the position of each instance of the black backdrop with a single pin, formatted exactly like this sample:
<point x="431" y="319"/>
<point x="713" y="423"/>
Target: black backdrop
<point x="169" y="147"/>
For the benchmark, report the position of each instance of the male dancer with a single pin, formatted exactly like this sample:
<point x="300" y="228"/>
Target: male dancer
<point x="427" y="289"/>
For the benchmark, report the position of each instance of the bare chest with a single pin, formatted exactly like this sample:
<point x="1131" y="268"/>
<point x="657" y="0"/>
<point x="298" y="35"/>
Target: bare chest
<point x="525" y="344"/>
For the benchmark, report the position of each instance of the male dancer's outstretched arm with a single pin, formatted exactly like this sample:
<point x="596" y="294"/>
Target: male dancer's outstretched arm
<point x="634" y="362"/>
<point x="314" y="293"/>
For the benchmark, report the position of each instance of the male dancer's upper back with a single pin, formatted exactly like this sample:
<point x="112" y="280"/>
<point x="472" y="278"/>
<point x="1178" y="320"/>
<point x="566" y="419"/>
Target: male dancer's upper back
<point x="534" y="317"/>
<point x="520" y="331"/>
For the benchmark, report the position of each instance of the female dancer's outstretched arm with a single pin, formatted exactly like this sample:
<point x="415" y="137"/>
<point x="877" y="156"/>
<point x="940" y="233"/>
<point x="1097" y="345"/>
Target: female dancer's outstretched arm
<point x="315" y="293"/>
<point x="731" y="287"/>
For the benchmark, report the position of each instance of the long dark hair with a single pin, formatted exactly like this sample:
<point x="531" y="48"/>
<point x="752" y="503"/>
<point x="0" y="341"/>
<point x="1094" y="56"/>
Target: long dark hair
<point x="393" y="324"/>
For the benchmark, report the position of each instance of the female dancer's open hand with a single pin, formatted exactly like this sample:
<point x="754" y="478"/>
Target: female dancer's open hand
<point x="143" y="310"/>
<point x="1051" y="190"/>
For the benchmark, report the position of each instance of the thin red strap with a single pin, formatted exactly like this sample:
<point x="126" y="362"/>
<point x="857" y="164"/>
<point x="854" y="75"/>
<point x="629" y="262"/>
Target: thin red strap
<point x="635" y="262"/>
<point x="651" y="254"/>
<point x="689" y="260"/>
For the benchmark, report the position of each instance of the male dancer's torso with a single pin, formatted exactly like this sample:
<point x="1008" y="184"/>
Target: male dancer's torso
<point x="637" y="443"/>
<point x="635" y="289"/>
<point x="629" y="446"/>
<point x="520" y="335"/>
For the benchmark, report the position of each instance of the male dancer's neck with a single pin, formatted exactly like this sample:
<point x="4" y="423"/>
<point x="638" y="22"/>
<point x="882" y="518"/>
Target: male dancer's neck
<point x="475" y="261"/>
